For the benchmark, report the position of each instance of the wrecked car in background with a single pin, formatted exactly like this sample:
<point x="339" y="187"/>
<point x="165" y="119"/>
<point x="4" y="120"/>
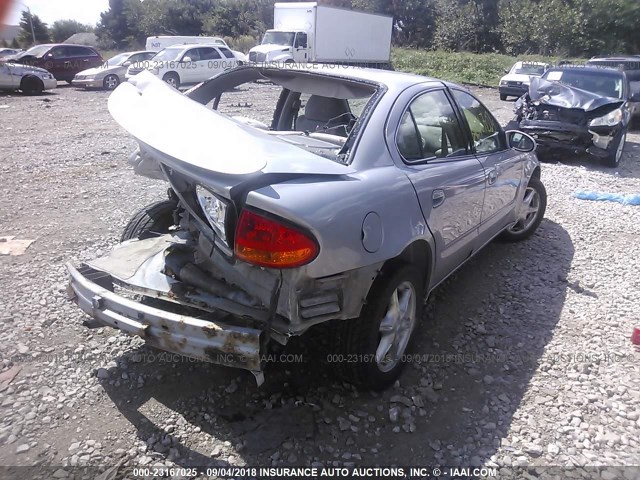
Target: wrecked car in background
<point x="579" y="109"/>
<point x="365" y="192"/>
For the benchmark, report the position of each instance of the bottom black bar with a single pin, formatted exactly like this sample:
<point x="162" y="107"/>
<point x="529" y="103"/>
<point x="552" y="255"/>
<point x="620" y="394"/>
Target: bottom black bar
<point x="117" y="472"/>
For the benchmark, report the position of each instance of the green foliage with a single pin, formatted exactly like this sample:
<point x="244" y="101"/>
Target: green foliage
<point x="15" y="43"/>
<point x="4" y="43"/>
<point x="548" y="27"/>
<point x="414" y="20"/>
<point x="461" y="67"/>
<point x="63" y="29"/>
<point x="174" y="17"/>
<point x="40" y="29"/>
<point x="237" y="18"/>
<point x="243" y="43"/>
<point x="119" y="26"/>
<point x="578" y="27"/>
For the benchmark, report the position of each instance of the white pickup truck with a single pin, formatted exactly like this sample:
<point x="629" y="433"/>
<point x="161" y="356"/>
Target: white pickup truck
<point x="305" y="32"/>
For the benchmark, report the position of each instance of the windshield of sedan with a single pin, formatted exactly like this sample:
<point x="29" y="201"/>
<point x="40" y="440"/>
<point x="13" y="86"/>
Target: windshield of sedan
<point x="117" y="60"/>
<point x="528" y="69"/>
<point x="278" y="38"/>
<point x="168" y="54"/>
<point x="605" y="83"/>
<point x="36" y="51"/>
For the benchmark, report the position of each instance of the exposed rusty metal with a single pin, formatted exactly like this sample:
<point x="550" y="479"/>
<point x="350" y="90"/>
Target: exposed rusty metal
<point x="209" y="340"/>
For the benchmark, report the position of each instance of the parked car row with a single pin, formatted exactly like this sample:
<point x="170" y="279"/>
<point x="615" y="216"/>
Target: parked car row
<point x="176" y="60"/>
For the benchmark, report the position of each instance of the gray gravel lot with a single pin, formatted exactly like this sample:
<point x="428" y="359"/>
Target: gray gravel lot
<point x="525" y="358"/>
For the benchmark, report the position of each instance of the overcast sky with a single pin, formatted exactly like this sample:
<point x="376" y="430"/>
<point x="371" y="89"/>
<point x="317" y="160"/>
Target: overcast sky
<point x="85" y="11"/>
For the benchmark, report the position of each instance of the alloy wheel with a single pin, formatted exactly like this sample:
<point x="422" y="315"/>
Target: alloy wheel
<point x="528" y="211"/>
<point x="111" y="82"/>
<point x="396" y="327"/>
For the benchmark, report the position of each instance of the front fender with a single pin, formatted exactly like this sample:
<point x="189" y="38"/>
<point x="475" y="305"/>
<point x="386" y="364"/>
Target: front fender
<point x="530" y="165"/>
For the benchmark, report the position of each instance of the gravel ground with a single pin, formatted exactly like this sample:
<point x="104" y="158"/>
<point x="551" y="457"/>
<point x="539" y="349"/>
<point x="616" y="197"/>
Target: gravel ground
<point x="525" y="358"/>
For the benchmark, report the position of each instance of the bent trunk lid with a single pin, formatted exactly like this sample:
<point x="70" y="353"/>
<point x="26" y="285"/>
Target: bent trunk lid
<point x="184" y="134"/>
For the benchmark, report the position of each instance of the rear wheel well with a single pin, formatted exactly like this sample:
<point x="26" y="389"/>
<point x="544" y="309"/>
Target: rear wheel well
<point x="417" y="254"/>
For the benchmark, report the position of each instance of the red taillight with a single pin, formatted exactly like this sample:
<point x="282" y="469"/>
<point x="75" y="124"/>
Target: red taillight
<point x="268" y="243"/>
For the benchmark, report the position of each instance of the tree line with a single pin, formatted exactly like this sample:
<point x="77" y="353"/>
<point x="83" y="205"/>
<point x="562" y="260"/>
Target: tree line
<point x="576" y="28"/>
<point x="58" y="32"/>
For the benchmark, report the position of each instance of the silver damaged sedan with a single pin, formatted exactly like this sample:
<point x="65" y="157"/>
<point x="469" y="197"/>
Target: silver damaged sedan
<point x="367" y="190"/>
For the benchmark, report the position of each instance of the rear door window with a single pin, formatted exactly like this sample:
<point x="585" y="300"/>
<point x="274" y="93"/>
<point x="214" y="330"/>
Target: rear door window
<point x="209" y="53"/>
<point x="430" y="129"/>
<point x="226" y="52"/>
<point x="79" y="52"/>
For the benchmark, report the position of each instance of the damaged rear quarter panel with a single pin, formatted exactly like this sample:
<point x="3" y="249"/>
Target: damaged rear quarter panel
<point x="333" y="209"/>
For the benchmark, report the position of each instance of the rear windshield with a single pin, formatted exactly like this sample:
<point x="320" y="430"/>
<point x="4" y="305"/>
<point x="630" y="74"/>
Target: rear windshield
<point x="118" y="59"/>
<point x="624" y="64"/>
<point x="525" y="69"/>
<point x="608" y="84"/>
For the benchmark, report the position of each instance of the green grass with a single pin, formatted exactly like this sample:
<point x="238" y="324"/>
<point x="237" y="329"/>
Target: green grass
<point x="460" y="67"/>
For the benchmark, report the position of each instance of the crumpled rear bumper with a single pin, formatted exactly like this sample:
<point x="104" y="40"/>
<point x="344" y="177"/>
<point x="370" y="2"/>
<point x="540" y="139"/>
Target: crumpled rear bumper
<point x="208" y="340"/>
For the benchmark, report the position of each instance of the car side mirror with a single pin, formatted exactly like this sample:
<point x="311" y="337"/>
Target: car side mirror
<point x="506" y="70"/>
<point x="186" y="59"/>
<point x="126" y="64"/>
<point x="49" y="55"/>
<point x="520" y="141"/>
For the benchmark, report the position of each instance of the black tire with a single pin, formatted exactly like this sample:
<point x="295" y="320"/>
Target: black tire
<point x="616" y="150"/>
<point x="31" y="85"/>
<point x="526" y="227"/>
<point x="357" y="340"/>
<point x="70" y="82"/>
<point x="173" y="79"/>
<point x="503" y="97"/>
<point x="110" y="82"/>
<point x="151" y="221"/>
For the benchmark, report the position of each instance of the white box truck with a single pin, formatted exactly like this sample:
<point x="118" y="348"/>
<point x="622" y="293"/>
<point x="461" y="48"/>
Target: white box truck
<point x="305" y="32"/>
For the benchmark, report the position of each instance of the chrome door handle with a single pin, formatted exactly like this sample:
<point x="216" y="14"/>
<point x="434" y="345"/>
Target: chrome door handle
<point x="492" y="176"/>
<point x="437" y="198"/>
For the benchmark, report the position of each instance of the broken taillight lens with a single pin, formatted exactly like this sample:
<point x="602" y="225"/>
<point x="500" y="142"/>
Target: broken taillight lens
<point x="268" y="243"/>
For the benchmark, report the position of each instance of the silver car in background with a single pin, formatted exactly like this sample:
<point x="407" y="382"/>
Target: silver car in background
<point x="29" y="80"/>
<point x="111" y="73"/>
<point x="366" y="191"/>
<point x="6" y="52"/>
